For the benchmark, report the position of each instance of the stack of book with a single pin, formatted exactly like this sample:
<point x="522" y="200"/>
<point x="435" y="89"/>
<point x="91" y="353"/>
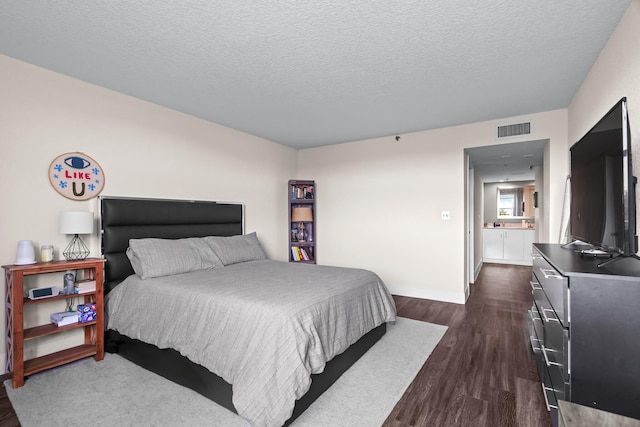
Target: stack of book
<point x="300" y="254"/>
<point x="64" y="318"/>
<point x="85" y="286"/>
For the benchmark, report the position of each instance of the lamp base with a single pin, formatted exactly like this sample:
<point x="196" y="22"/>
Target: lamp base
<point x="301" y="234"/>
<point x="76" y="250"/>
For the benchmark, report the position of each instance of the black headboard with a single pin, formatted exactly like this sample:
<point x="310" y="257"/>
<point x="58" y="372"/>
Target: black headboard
<point x="123" y="218"/>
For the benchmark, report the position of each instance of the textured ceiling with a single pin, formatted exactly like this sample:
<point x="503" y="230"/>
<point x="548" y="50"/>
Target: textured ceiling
<point x="311" y="73"/>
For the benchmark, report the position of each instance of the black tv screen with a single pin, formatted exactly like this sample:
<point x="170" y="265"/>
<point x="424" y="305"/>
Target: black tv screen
<point x="602" y="211"/>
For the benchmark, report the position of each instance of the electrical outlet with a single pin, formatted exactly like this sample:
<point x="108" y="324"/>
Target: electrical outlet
<point x="446" y="215"/>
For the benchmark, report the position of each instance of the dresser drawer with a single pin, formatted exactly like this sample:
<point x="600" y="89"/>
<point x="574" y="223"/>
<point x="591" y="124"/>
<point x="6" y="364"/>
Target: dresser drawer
<point x="556" y="371"/>
<point x="550" y="397"/>
<point x="556" y="346"/>
<point x="554" y="341"/>
<point x="556" y="360"/>
<point x="554" y="285"/>
<point x="536" y="330"/>
<point x="540" y="299"/>
<point x="536" y="335"/>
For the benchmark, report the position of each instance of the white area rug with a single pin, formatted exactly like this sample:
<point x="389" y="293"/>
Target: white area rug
<point x="115" y="392"/>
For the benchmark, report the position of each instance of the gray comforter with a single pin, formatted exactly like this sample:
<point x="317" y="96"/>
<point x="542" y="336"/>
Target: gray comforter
<point x="263" y="326"/>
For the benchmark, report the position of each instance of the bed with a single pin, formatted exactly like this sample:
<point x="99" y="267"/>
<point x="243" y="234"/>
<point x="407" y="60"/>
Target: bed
<point x="307" y="334"/>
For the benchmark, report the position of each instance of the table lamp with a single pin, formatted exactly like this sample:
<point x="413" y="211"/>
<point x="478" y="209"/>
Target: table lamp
<point x="301" y="215"/>
<point x="76" y="222"/>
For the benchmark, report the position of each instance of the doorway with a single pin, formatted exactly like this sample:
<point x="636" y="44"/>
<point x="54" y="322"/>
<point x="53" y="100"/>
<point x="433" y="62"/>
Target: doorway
<point x="510" y="162"/>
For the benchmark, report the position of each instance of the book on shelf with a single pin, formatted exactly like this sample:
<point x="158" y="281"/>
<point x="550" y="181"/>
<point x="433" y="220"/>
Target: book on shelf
<point x="85" y="286"/>
<point x="301" y="254"/>
<point x="302" y="192"/>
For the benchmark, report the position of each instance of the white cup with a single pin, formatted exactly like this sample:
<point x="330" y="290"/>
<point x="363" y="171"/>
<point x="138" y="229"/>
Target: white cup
<point x="46" y="253"/>
<point x="26" y="253"/>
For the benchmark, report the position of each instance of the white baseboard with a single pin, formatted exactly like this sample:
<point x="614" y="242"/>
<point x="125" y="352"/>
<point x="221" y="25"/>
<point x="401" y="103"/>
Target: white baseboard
<point x="476" y="272"/>
<point x="503" y="261"/>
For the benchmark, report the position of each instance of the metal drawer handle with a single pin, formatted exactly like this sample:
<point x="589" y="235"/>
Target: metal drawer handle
<point x="531" y="340"/>
<point x="548" y="319"/>
<point x="546" y="400"/>
<point x="550" y="273"/>
<point x="533" y="287"/>
<point x="546" y="358"/>
<point x="533" y="319"/>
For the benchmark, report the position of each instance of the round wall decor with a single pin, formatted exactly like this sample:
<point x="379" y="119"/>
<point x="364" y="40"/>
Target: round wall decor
<point x="76" y="176"/>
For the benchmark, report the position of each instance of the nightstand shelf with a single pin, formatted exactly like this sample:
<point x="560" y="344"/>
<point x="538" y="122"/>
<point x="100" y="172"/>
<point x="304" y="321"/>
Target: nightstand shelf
<point x="17" y="334"/>
<point x="27" y="301"/>
<point x="43" y="330"/>
<point x="58" y="358"/>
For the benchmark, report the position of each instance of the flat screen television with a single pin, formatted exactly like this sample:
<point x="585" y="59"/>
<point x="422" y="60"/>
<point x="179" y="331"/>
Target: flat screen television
<point x="603" y="205"/>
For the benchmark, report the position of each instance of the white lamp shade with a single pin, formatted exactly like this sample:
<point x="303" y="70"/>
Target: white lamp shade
<point x="76" y="222"/>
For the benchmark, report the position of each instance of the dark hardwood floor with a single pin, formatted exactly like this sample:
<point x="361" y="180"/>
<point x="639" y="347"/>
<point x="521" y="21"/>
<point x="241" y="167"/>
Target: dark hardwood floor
<point x="8" y="416"/>
<point x="480" y="374"/>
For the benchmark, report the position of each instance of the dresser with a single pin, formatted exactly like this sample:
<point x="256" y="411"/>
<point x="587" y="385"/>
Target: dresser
<point x="584" y="328"/>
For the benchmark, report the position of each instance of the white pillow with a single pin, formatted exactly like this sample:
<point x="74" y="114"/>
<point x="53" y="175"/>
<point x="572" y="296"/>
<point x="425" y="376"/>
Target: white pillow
<point x="235" y="249"/>
<point x="165" y="257"/>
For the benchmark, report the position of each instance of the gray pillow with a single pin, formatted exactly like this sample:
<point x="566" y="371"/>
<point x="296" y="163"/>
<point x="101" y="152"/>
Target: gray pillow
<point x="235" y="249"/>
<point x="166" y="257"/>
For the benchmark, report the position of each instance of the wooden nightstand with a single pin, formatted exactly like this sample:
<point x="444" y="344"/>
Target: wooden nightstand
<point x="16" y="334"/>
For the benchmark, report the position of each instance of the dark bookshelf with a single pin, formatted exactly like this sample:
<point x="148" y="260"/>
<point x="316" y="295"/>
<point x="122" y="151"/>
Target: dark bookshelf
<point x="302" y="216"/>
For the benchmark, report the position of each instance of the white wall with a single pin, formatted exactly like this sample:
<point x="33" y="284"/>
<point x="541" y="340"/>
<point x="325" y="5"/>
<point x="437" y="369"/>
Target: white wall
<point x="478" y="223"/>
<point x="379" y="202"/>
<point x="540" y="189"/>
<point x="145" y="151"/>
<point x="616" y="73"/>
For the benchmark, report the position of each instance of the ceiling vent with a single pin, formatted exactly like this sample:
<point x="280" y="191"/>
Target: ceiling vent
<point x="507" y="131"/>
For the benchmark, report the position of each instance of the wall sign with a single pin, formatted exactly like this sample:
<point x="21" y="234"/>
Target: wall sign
<point x="76" y="176"/>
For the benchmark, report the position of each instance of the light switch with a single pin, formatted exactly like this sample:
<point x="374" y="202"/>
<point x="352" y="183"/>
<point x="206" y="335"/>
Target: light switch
<point x="446" y="215"/>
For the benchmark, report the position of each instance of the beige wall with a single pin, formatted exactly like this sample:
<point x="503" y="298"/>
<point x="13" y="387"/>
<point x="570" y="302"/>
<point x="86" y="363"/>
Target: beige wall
<point x="615" y="74"/>
<point x="145" y="151"/>
<point x="380" y="201"/>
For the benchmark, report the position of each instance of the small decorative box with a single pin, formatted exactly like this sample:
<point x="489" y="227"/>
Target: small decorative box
<point x="87" y="312"/>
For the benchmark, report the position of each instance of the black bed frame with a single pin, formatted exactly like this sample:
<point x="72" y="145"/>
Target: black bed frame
<point x="122" y="219"/>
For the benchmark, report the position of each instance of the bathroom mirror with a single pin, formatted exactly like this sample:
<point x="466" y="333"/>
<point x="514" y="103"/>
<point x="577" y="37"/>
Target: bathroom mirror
<point x="516" y="202"/>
